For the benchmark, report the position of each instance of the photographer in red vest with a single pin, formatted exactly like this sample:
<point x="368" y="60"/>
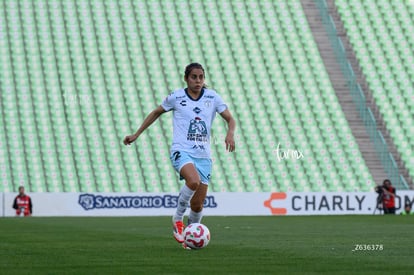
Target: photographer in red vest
<point x="388" y="197"/>
<point x="23" y="203"/>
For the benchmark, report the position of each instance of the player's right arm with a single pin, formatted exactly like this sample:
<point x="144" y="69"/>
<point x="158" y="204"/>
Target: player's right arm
<point x="153" y="116"/>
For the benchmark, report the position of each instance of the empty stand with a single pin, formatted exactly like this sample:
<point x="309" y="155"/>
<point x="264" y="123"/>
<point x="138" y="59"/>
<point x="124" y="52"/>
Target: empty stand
<point x="380" y="33"/>
<point x="78" y="76"/>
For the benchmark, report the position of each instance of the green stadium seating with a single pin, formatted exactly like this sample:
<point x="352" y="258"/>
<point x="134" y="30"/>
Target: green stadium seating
<point x="80" y="75"/>
<point x="381" y="35"/>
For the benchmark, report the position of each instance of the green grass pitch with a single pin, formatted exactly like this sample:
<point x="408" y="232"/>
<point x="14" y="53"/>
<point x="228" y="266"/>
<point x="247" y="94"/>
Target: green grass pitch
<point x="239" y="245"/>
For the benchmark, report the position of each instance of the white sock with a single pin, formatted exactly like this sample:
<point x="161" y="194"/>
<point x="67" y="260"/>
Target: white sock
<point x="185" y="196"/>
<point x="195" y="217"/>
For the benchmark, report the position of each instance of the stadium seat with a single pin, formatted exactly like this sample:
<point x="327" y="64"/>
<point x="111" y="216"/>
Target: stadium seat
<point x="379" y="28"/>
<point x="97" y="68"/>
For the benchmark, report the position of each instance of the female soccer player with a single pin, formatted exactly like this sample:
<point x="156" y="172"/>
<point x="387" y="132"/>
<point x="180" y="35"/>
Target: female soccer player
<point x="194" y="109"/>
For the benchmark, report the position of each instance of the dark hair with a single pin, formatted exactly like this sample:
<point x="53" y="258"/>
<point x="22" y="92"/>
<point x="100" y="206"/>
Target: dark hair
<point x="192" y="66"/>
<point x="385" y="181"/>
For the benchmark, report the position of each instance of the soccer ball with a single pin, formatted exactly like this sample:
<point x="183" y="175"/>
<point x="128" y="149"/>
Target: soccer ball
<point x="196" y="236"/>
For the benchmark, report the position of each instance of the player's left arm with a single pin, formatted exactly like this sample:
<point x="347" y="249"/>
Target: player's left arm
<point x="231" y="123"/>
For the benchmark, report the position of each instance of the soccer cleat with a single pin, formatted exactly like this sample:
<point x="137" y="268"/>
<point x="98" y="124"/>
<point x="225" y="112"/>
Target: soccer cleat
<point x="178" y="229"/>
<point x="185" y="246"/>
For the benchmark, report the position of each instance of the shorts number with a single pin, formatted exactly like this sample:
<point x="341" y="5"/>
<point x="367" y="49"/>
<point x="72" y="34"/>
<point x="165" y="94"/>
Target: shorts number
<point x="176" y="155"/>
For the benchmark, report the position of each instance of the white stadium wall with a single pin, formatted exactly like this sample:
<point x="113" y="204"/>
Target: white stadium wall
<point x="217" y="204"/>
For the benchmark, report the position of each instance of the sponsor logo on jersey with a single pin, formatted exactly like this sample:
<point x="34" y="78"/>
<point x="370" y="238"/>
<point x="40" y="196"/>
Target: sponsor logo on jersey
<point x="197" y="131"/>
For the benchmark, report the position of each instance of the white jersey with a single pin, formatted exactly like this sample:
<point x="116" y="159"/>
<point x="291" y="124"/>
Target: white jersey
<point x="192" y="119"/>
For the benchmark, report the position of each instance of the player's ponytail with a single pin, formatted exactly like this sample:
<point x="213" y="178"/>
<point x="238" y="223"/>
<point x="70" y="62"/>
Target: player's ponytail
<point x="192" y="66"/>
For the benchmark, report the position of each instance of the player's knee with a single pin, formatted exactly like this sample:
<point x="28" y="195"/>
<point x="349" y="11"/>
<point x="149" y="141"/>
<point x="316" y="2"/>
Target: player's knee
<point x="196" y="206"/>
<point x="193" y="184"/>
